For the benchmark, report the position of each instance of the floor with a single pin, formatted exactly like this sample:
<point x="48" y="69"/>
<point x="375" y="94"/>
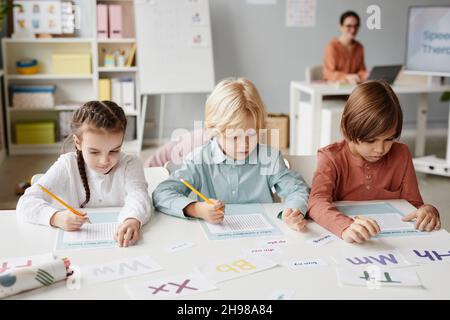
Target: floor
<point x="435" y="189"/>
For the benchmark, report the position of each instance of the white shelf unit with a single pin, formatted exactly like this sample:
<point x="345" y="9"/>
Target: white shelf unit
<point x="69" y="87"/>
<point x="117" y="69"/>
<point x="117" y="40"/>
<point x="49" y="77"/>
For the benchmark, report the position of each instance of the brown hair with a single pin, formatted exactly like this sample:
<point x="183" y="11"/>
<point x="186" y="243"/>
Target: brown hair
<point x="371" y="110"/>
<point x="98" y="115"/>
<point x="347" y="14"/>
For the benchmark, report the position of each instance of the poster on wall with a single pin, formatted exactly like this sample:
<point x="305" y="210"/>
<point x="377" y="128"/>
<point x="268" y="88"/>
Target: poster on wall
<point x="301" y="13"/>
<point x="38" y="16"/>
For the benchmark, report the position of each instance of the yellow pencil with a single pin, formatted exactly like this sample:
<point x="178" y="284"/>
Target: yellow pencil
<point x="62" y="202"/>
<point x="187" y="184"/>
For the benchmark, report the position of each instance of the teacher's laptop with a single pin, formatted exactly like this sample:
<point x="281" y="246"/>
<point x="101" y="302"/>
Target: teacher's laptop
<point x="388" y="73"/>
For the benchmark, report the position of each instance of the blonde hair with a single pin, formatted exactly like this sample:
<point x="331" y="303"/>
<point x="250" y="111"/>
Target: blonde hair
<point x="231" y="101"/>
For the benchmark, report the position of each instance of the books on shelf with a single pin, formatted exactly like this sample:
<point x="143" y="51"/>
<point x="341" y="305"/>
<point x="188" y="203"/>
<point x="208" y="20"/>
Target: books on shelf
<point x="104" y="89"/>
<point x="119" y="90"/>
<point x="131" y="56"/>
<point x="116" y="91"/>
<point x="127" y="88"/>
<point x="102" y="21"/>
<point x="109" y="21"/>
<point x="115" y="20"/>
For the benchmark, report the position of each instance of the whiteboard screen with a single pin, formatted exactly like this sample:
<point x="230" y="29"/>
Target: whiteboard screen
<point x="174" y="46"/>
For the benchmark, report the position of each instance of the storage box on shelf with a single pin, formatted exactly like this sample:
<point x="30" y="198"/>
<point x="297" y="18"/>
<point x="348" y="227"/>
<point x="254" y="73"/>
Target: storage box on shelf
<point x="35" y="133"/>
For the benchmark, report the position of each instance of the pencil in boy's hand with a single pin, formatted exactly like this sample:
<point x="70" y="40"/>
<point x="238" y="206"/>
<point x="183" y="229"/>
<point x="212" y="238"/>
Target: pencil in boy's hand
<point x="187" y="184"/>
<point x="62" y="202"/>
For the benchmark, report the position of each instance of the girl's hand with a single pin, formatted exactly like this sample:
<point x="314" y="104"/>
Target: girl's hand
<point x="427" y="218"/>
<point x="294" y="219"/>
<point x="361" y="230"/>
<point x="212" y="213"/>
<point x="68" y="221"/>
<point x="128" y="232"/>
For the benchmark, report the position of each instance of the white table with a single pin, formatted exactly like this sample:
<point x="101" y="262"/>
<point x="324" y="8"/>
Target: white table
<point x="19" y="239"/>
<point x="316" y="92"/>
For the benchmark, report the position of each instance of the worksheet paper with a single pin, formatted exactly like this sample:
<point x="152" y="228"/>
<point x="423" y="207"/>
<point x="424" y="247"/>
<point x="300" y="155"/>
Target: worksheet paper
<point x="241" y="223"/>
<point x="99" y="234"/>
<point x="387" y="216"/>
<point x="92" y="232"/>
<point x="246" y="220"/>
<point x="390" y="221"/>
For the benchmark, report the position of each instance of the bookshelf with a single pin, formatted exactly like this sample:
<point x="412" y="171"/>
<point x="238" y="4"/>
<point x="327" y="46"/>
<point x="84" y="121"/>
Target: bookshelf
<point x="70" y="87"/>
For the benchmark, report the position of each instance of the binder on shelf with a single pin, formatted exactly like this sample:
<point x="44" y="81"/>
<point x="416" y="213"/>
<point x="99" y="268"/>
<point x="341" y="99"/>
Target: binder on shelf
<point x="115" y="20"/>
<point x="104" y="89"/>
<point x="127" y="86"/>
<point x="102" y="21"/>
<point x="123" y="93"/>
<point x="116" y="91"/>
<point x="131" y="56"/>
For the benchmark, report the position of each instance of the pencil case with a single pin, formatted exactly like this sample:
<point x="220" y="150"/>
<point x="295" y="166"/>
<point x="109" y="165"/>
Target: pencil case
<point x="29" y="278"/>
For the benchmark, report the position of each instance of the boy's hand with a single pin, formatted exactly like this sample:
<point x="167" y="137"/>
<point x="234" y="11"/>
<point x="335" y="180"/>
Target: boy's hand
<point x="427" y="218"/>
<point x="68" y="221"/>
<point x="294" y="219"/>
<point x="361" y="230"/>
<point x="128" y="232"/>
<point x="212" y="213"/>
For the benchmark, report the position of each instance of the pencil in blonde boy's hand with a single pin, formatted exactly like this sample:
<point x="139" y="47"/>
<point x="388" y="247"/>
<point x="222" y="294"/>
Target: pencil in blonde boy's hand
<point x="212" y="212"/>
<point x="219" y="208"/>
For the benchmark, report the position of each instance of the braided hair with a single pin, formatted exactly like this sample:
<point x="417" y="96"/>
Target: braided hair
<point x="98" y="115"/>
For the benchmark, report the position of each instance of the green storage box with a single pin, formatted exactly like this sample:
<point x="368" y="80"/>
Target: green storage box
<point x="35" y="133"/>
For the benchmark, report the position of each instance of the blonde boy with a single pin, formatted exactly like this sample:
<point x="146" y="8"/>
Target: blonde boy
<point x="233" y="167"/>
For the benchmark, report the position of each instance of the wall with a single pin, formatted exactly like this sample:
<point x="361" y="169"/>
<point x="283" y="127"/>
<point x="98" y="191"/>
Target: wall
<point x="252" y="41"/>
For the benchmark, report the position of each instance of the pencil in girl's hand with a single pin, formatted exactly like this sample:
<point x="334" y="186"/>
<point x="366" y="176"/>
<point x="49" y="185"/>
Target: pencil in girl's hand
<point x="62" y="202"/>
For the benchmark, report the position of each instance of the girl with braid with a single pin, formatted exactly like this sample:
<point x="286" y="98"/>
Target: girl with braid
<point x="96" y="175"/>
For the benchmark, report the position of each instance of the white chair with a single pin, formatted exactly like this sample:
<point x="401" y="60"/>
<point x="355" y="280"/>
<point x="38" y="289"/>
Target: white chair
<point x="154" y="176"/>
<point x="330" y="118"/>
<point x="171" y="166"/>
<point x="35" y="178"/>
<point x="304" y="165"/>
<point x="313" y="73"/>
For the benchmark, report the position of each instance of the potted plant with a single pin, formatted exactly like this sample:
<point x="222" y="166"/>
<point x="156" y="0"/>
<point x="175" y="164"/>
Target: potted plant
<point x="5" y="7"/>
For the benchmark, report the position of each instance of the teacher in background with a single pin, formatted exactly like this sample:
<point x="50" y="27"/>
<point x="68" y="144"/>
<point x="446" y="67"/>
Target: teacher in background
<point x="344" y="56"/>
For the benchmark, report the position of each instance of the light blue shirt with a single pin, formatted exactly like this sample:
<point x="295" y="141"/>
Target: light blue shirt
<point x="217" y="176"/>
